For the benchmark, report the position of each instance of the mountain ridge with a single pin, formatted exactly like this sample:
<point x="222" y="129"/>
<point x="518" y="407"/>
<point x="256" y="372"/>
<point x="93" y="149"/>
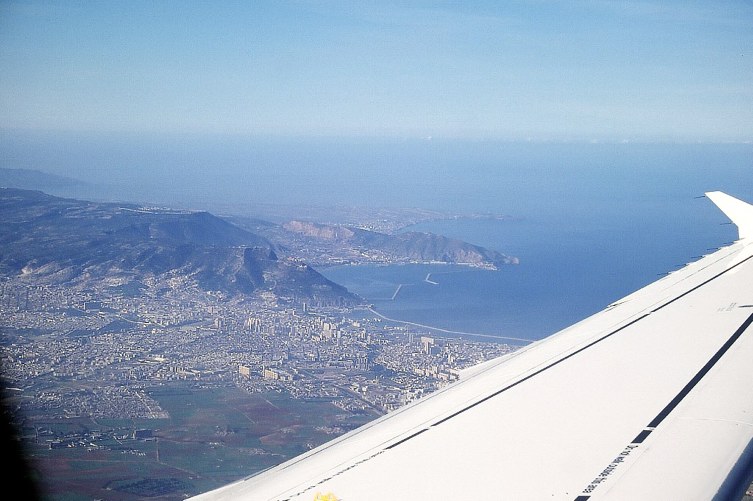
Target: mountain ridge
<point x="45" y="238"/>
<point x="405" y="246"/>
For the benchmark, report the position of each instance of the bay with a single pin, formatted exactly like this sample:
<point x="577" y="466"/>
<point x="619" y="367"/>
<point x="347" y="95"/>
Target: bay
<point x="585" y="237"/>
<point x="564" y="275"/>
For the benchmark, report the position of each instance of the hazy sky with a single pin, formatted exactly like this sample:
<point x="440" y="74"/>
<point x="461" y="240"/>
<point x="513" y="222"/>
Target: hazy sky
<point x="666" y="70"/>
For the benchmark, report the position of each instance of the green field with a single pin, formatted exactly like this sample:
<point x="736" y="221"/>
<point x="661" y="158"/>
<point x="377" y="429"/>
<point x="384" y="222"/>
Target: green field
<point x="213" y="437"/>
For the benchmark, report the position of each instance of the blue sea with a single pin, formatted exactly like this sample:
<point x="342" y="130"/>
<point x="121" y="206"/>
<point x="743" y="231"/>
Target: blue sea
<point x="564" y="274"/>
<point x="589" y="223"/>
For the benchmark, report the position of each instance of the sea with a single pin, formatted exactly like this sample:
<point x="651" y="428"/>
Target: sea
<point x="588" y="222"/>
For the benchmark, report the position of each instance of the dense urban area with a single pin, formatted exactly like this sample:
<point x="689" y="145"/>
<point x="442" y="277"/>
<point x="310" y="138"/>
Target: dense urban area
<point x="100" y="352"/>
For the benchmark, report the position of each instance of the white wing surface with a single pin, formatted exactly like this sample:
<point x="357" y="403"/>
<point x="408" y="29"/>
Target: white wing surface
<point x="651" y="398"/>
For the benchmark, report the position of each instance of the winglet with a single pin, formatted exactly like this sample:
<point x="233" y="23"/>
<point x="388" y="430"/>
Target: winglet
<point x="741" y="213"/>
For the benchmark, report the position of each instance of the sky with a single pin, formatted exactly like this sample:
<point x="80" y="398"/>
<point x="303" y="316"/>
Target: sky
<point x="513" y="70"/>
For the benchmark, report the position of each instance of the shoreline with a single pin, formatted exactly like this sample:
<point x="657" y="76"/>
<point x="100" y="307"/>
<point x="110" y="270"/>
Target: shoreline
<point x="381" y="264"/>
<point x="449" y="331"/>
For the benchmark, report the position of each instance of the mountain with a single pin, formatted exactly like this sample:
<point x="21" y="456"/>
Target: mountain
<point x="55" y="240"/>
<point x="400" y="247"/>
<point x="36" y="180"/>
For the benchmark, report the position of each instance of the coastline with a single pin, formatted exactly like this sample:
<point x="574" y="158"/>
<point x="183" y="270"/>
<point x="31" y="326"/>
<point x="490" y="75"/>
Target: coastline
<point x="449" y="331"/>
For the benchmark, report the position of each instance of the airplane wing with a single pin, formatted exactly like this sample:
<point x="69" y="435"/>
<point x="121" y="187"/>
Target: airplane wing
<point x="651" y="398"/>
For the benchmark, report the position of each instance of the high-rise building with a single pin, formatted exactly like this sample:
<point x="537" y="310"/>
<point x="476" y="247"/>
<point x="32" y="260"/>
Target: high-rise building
<point x="427" y="343"/>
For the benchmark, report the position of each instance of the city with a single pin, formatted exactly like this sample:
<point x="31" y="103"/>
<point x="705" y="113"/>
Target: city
<point x="110" y="350"/>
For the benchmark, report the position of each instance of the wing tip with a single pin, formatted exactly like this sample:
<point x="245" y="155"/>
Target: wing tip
<point x="739" y="212"/>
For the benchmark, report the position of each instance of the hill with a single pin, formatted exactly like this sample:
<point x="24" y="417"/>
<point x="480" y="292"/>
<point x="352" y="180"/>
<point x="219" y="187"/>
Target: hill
<point x="397" y="247"/>
<point x="46" y="239"/>
<point x="36" y="180"/>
